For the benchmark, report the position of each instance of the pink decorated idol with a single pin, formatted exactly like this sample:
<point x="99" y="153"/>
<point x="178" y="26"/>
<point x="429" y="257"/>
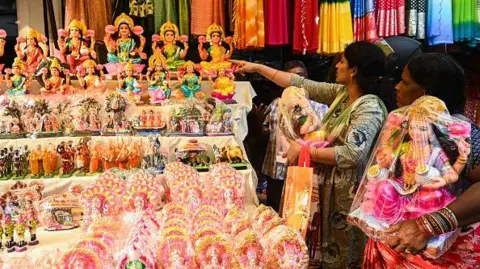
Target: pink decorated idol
<point x="175" y="252"/>
<point x="213" y="252"/>
<point x="31" y="50"/>
<point x="248" y="251"/>
<point x="76" y="43"/>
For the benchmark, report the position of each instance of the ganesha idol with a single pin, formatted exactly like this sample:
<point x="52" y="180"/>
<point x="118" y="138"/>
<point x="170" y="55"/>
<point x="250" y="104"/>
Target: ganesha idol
<point x="125" y="43"/>
<point x="216" y="55"/>
<point x="31" y="50"/>
<point x="3" y="35"/>
<point x="76" y="44"/>
<point x="410" y="174"/>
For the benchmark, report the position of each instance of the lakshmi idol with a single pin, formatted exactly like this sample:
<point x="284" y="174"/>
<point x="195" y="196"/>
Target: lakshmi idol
<point x="217" y="53"/>
<point x="15" y="79"/>
<point x="33" y="52"/>
<point x="166" y="47"/>
<point x="76" y="43"/>
<point x="55" y="83"/>
<point x="125" y="43"/>
<point x="92" y="80"/>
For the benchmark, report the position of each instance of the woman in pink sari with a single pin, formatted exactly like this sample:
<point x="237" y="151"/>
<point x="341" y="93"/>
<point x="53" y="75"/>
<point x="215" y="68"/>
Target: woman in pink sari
<point x="440" y="76"/>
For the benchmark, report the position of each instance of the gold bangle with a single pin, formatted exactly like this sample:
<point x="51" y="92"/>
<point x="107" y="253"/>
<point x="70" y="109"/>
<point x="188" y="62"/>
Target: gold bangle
<point x="462" y="160"/>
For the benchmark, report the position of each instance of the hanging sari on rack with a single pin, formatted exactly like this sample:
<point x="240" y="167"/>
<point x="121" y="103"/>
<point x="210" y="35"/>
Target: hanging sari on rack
<point x="439" y="22"/>
<point x="163" y="11"/>
<point x="416" y="17"/>
<point x="249" y="24"/>
<point x="205" y="13"/>
<point x="465" y="21"/>
<point x="335" y="27"/>
<point x="277" y="21"/>
<point x="390" y="15"/>
<point x="96" y="14"/>
<point x="364" y="27"/>
<point x="305" y="26"/>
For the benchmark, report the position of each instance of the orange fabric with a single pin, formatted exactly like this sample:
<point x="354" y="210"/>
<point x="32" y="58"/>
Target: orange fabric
<point x="249" y="24"/>
<point x="205" y="13"/>
<point x="96" y="14"/>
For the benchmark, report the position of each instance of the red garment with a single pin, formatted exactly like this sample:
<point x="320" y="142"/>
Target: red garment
<point x="276" y="22"/>
<point x="390" y="17"/>
<point x="305" y="26"/>
<point x="364" y="28"/>
<point x="464" y="254"/>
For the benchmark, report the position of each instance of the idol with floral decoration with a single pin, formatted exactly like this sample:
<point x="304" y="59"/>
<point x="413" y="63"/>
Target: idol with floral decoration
<point x="76" y="44"/>
<point x="221" y="122"/>
<point x="97" y="202"/>
<point x="169" y="47"/>
<point x="15" y="79"/>
<point x="186" y="120"/>
<point x="31" y="50"/>
<point x="88" y="113"/>
<point x="223" y="87"/>
<point x="116" y="123"/>
<point x="97" y="246"/>
<point x="175" y="252"/>
<point x="213" y="252"/>
<point x="125" y="44"/>
<point x="128" y="84"/>
<point x="410" y="174"/>
<point x="47" y="121"/>
<point x="193" y="194"/>
<point x="158" y="82"/>
<point x="194" y="154"/>
<point x="61" y="212"/>
<point x="92" y="79"/>
<point x="190" y="84"/>
<point x="3" y="35"/>
<point x="56" y="80"/>
<point x="81" y="258"/>
<point x="286" y="249"/>
<point x="140" y="200"/>
<point x="216" y="55"/>
<point x="248" y="250"/>
<point x="230" y="192"/>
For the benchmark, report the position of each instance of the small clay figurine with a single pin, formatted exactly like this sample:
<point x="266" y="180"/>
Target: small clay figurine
<point x="55" y="83"/>
<point x="158" y="87"/>
<point x="16" y="84"/>
<point x="76" y="43"/>
<point x="129" y="84"/>
<point x="93" y="79"/>
<point x="217" y="53"/>
<point x="223" y="86"/>
<point x="34" y="51"/>
<point x="32" y="219"/>
<point x="166" y="47"/>
<point x="190" y="83"/>
<point x="34" y="158"/>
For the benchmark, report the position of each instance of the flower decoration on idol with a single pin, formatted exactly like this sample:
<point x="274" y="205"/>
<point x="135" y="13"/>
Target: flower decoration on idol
<point x="175" y="252"/>
<point x="230" y="192"/>
<point x="125" y="43"/>
<point x="53" y="81"/>
<point x="16" y="82"/>
<point x="76" y="44"/>
<point x="213" y="252"/>
<point x="169" y="47"/>
<point x="192" y="193"/>
<point x="286" y="249"/>
<point x="31" y="50"/>
<point x="248" y="250"/>
<point x="97" y="247"/>
<point x="138" y="253"/>
<point x="81" y="258"/>
<point x="90" y="76"/>
<point x="98" y="202"/>
<point x="216" y="56"/>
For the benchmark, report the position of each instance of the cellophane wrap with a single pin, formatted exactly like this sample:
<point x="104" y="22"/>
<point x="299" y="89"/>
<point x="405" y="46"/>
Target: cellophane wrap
<point x="406" y="162"/>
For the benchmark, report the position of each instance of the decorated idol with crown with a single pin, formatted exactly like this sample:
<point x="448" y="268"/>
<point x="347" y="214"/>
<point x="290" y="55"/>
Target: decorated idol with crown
<point x="169" y="46"/>
<point x="53" y="80"/>
<point x="216" y="55"/>
<point x="16" y="80"/>
<point x="31" y="49"/>
<point x="125" y="43"/>
<point x="76" y="43"/>
<point x="92" y="78"/>
<point x="129" y="84"/>
<point x="158" y="86"/>
<point x="190" y="83"/>
<point x="223" y="86"/>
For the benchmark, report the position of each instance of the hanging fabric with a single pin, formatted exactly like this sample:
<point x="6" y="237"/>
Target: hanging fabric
<point x="416" y="17"/>
<point x="276" y="22"/>
<point x="390" y="15"/>
<point x="249" y="24"/>
<point x="305" y="26"/>
<point x="205" y="13"/>
<point x="184" y="16"/>
<point x="364" y="27"/>
<point x="141" y="11"/>
<point x="439" y="22"/>
<point x="96" y="14"/>
<point x="465" y="21"/>
<point x="163" y="11"/>
<point x="335" y="27"/>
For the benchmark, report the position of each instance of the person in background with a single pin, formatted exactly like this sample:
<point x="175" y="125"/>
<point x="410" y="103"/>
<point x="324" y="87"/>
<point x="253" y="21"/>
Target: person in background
<point x="273" y="169"/>
<point x="356" y="114"/>
<point x="437" y="75"/>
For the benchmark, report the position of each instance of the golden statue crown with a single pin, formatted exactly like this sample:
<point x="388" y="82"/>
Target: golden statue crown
<point x="19" y="63"/>
<point x="168" y="26"/>
<point x="56" y="64"/>
<point x="77" y="24"/>
<point x="89" y="63"/>
<point x="35" y="34"/>
<point x="189" y="63"/>
<point x="215" y="28"/>
<point x="123" y="18"/>
<point x="128" y="66"/>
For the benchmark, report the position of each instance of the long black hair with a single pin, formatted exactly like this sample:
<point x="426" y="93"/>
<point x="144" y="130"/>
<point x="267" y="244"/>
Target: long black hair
<point x="441" y="76"/>
<point x="369" y="59"/>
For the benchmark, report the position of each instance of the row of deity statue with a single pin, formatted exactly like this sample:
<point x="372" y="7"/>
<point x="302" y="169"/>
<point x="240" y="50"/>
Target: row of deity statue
<point x="124" y="43"/>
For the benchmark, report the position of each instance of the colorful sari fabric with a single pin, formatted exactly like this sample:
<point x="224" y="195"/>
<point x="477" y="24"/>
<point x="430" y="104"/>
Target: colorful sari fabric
<point x="335" y="27"/>
<point x="205" y="13"/>
<point x="163" y="11"/>
<point x="277" y="22"/>
<point x="390" y="17"/>
<point x="94" y="13"/>
<point x="364" y="27"/>
<point x="249" y="24"/>
<point x="465" y="21"/>
<point x="416" y="16"/>
<point x="439" y="22"/>
<point x="465" y="254"/>
<point x="305" y="26"/>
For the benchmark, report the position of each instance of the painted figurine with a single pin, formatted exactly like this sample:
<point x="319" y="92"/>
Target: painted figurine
<point x="125" y="43"/>
<point x="76" y="43"/>
<point x="93" y="79"/>
<point x="190" y="83"/>
<point x="95" y="154"/>
<point x="66" y="152"/>
<point x="116" y="106"/>
<point x="33" y="52"/>
<point x="34" y="158"/>
<point x="158" y="86"/>
<point x="223" y="86"/>
<point x="16" y="83"/>
<point x="32" y="219"/>
<point x="166" y="47"/>
<point x="216" y="52"/>
<point x="129" y="84"/>
<point x="55" y="83"/>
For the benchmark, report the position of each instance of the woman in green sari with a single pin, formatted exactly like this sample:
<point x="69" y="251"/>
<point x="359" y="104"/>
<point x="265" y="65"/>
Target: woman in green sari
<point x="355" y="116"/>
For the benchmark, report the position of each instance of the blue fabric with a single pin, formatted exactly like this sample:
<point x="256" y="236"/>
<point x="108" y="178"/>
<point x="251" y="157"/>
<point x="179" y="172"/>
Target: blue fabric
<point x="439" y="22"/>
